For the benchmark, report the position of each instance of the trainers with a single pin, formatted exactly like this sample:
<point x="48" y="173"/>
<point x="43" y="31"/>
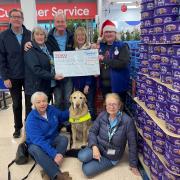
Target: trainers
<point x="17" y="133"/>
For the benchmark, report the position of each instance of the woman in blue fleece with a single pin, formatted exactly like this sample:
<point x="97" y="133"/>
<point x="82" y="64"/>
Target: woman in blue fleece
<point x="108" y="138"/>
<point x="45" y="143"/>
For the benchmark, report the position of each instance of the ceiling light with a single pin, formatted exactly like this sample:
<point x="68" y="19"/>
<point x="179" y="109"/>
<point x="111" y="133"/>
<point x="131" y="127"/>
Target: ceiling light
<point x="132" y="7"/>
<point x="125" y="2"/>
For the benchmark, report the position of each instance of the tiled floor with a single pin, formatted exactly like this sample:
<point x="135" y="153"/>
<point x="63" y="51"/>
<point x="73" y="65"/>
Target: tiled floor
<point x="8" y="147"/>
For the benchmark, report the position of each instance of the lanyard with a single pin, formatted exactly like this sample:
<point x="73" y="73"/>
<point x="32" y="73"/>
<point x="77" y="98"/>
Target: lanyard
<point x="112" y="130"/>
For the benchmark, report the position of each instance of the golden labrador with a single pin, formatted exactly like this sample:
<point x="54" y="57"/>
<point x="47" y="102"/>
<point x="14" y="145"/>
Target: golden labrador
<point x="79" y="118"/>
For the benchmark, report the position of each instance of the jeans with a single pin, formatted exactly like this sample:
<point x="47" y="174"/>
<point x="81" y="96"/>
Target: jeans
<point x="16" y="94"/>
<point x="62" y="93"/>
<point x="91" y="166"/>
<point x="47" y="163"/>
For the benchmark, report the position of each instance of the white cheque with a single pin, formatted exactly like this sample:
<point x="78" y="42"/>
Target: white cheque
<point x="76" y="63"/>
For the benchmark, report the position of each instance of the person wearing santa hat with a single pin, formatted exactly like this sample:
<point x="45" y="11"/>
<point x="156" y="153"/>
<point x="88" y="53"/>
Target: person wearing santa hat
<point x="114" y="59"/>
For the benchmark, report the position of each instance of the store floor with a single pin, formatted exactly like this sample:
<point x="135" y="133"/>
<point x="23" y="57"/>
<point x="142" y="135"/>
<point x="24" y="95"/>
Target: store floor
<point x="8" y="146"/>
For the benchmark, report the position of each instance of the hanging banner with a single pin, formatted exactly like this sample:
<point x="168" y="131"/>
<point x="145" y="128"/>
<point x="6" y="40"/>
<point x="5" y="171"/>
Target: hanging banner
<point x="47" y="11"/>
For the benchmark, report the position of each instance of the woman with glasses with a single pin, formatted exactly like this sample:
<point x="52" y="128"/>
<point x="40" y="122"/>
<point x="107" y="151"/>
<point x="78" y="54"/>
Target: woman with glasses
<point x="108" y="138"/>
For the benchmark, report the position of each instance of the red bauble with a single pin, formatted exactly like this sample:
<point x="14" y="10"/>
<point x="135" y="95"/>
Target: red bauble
<point x="123" y="8"/>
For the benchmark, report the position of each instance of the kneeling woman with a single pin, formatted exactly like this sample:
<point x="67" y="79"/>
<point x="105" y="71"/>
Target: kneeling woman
<point x="107" y="139"/>
<point x="45" y="144"/>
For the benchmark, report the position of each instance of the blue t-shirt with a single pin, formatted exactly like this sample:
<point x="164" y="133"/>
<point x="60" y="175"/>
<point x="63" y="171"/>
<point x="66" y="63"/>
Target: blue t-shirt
<point x="61" y="40"/>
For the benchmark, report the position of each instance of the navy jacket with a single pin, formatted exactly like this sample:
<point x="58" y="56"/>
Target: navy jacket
<point x="11" y="54"/>
<point x="98" y="135"/>
<point x="37" y="71"/>
<point x="42" y="132"/>
<point x="117" y="66"/>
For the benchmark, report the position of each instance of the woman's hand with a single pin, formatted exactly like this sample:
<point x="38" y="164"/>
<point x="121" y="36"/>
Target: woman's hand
<point x="58" y="77"/>
<point x="86" y="89"/>
<point x="27" y="46"/>
<point x="58" y="159"/>
<point x="96" y="153"/>
<point x="94" y="46"/>
<point x="8" y="83"/>
<point x="101" y="58"/>
<point x="135" y="171"/>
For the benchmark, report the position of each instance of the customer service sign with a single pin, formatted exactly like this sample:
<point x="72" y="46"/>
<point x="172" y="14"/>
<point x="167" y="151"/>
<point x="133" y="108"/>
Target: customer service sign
<point x="48" y="10"/>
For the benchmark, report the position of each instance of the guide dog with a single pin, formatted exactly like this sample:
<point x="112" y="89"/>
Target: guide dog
<point x="79" y="118"/>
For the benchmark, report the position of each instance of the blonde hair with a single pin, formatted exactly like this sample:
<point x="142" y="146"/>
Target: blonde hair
<point x="34" y="97"/>
<point x="115" y="96"/>
<point x="39" y="29"/>
<point x="83" y="31"/>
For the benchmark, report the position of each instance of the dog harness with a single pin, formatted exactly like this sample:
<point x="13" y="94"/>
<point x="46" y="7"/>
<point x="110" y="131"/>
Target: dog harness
<point x="84" y="118"/>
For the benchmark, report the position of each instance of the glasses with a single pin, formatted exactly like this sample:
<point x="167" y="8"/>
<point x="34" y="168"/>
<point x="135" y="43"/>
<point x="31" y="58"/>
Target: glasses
<point x="114" y="105"/>
<point x="16" y="17"/>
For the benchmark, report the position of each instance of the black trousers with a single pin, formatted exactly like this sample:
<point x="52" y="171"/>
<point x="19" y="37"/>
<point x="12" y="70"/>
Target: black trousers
<point x="16" y="94"/>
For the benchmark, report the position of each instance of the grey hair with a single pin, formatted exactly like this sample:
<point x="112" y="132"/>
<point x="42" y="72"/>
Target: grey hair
<point x="34" y="97"/>
<point x="60" y="14"/>
<point x="40" y="30"/>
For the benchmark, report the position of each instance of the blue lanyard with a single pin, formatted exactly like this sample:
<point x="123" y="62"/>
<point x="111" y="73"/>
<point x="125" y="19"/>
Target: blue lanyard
<point x="112" y="130"/>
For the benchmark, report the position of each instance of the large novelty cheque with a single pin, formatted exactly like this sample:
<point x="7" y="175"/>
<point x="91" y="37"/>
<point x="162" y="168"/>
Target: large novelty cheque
<point x="77" y="63"/>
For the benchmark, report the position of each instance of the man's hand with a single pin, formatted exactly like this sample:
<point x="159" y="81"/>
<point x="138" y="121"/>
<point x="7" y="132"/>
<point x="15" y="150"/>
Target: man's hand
<point x="8" y="83"/>
<point x="135" y="171"/>
<point x="96" y="153"/>
<point x="58" y="77"/>
<point x="86" y="89"/>
<point x="58" y="159"/>
<point x="27" y="46"/>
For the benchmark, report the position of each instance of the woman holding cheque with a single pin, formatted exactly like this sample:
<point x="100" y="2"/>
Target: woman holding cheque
<point x="85" y="84"/>
<point x="39" y="68"/>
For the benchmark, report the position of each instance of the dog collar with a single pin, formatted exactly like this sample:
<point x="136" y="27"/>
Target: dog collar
<point x="84" y="118"/>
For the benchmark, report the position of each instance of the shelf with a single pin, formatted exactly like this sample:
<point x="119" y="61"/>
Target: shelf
<point x="169" y="86"/>
<point x="161" y="157"/>
<point x="158" y="121"/>
<point x="146" y="168"/>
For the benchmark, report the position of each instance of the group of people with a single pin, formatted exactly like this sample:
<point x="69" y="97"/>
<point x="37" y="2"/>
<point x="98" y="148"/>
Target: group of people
<point x="26" y="61"/>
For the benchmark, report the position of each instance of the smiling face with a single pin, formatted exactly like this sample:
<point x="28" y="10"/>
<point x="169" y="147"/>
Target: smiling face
<point x="113" y="105"/>
<point x="41" y="104"/>
<point x="16" y="19"/>
<point x="39" y="37"/>
<point x="60" y="23"/>
<point x="81" y="38"/>
<point x="109" y="36"/>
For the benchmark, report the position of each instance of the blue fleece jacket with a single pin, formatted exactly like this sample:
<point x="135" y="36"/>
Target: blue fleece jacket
<point x="41" y="131"/>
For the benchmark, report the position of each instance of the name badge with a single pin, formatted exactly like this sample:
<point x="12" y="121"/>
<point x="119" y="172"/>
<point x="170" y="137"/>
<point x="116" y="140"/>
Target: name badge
<point x="111" y="151"/>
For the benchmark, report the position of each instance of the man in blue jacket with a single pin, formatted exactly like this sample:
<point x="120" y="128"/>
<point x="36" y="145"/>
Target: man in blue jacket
<point x="12" y="43"/>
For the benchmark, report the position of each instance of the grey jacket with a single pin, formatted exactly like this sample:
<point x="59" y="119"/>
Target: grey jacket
<point x="126" y="131"/>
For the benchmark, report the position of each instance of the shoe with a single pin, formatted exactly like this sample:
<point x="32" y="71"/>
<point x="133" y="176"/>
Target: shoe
<point x="44" y="175"/>
<point x="63" y="176"/>
<point x="17" y="133"/>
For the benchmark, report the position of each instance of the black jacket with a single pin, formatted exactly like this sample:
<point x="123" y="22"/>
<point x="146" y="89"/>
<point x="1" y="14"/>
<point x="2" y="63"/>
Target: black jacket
<point x="11" y="54"/>
<point x="52" y="43"/>
<point x="37" y="71"/>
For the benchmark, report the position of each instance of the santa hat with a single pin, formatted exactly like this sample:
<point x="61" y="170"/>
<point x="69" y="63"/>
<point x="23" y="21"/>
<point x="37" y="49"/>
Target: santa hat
<point x="108" y="26"/>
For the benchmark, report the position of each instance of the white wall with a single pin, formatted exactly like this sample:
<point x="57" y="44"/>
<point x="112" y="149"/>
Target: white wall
<point x="114" y="13"/>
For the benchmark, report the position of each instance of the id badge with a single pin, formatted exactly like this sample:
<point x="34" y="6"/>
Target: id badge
<point x="111" y="151"/>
